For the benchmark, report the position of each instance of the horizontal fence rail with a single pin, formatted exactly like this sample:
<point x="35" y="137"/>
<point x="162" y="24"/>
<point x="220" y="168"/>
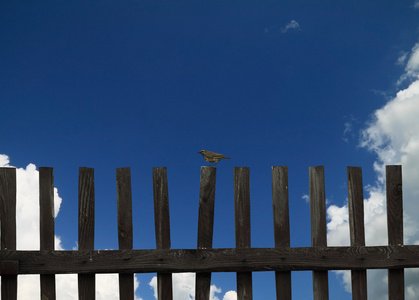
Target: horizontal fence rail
<point x="243" y="259"/>
<point x="212" y="260"/>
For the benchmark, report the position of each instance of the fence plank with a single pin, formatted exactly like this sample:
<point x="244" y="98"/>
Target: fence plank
<point x="356" y="228"/>
<point x="205" y="226"/>
<point x="8" y="226"/>
<point x="125" y="230"/>
<point x="86" y="228"/>
<point x="280" y="203"/>
<point x="395" y="227"/>
<point x="242" y="224"/>
<point x="162" y="227"/>
<point x="318" y="227"/>
<point x="46" y="226"/>
<point x="214" y="260"/>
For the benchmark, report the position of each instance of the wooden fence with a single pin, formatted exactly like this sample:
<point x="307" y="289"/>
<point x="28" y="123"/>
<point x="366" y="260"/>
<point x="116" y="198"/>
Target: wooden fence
<point x="243" y="259"/>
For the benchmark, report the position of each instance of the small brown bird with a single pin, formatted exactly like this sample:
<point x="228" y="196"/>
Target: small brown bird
<point x="212" y="157"/>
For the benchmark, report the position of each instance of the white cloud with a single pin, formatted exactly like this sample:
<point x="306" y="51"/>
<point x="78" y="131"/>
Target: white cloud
<point x="291" y="25"/>
<point x="184" y="288"/>
<point x="107" y="286"/>
<point x="416" y="4"/>
<point x="27" y="231"/>
<point x="338" y="225"/>
<point x="230" y="295"/>
<point x="393" y="135"/>
<point x="4" y="160"/>
<point x="412" y="65"/>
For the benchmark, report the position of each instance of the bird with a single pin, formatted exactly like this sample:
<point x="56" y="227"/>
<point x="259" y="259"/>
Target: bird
<point x="212" y="157"/>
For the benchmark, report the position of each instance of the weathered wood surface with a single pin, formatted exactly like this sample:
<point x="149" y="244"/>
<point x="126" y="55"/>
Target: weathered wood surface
<point x="356" y="228"/>
<point x="318" y="227"/>
<point x="86" y="228"/>
<point x="46" y="225"/>
<point x="205" y="226"/>
<point x="280" y="203"/>
<point x="242" y="226"/>
<point x="125" y="231"/>
<point x="8" y="229"/>
<point x="395" y="227"/>
<point x="162" y="228"/>
<point x="214" y="260"/>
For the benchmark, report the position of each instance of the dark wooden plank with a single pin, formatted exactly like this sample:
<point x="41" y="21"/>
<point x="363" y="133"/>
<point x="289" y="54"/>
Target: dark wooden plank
<point x="202" y="286"/>
<point x="242" y="225"/>
<point x="125" y="230"/>
<point x="46" y="225"/>
<point x="205" y="226"/>
<point x="395" y="227"/>
<point x="206" y="207"/>
<point x="280" y="202"/>
<point x="162" y="228"/>
<point x="8" y="226"/>
<point x="86" y="228"/>
<point x="318" y="227"/>
<point x="214" y="260"/>
<point x="8" y="208"/>
<point x="356" y="206"/>
<point x="356" y="228"/>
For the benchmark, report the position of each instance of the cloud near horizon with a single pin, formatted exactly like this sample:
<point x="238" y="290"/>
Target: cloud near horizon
<point x="393" y="135"/>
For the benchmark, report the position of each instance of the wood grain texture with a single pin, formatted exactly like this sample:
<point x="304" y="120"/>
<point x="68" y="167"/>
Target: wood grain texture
<point x="395" y="227"/>
<point x="86" y="282"/>
<point x="242" y="206"/>
<point x="162" y="227"/>
<point x="8" y="226"/>
<point x="242" y="226"/>
<point x="205" y="226"/>
<point x="318" y="227"/>
<point x="202" y="286"/>
<point x="161" y="208"/>
<point x="124" y="208"/>
<point x="47" y="227"/>
<point x="8" y="208"/>
<point x="206" y="207"/>
<point x="356" y="228"/>
<point x="280" y="203"/>
<point x="244" y="286"/>
<point x="214" y="260"/>
<point x="125" y="230"/>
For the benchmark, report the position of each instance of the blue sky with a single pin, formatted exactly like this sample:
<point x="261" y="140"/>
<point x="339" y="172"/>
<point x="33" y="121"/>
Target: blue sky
<point x="108" y="84"/>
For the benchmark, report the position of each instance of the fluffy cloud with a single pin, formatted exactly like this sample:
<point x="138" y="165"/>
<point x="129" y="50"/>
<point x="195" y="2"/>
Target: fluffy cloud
<point x="412" y="65"/>
<point x="184" y="288"/>
<point x="230" y="295"/>
<point x="4" y="160"/>
<point x="27" y="230"/>
<point x="393" y="135"/>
